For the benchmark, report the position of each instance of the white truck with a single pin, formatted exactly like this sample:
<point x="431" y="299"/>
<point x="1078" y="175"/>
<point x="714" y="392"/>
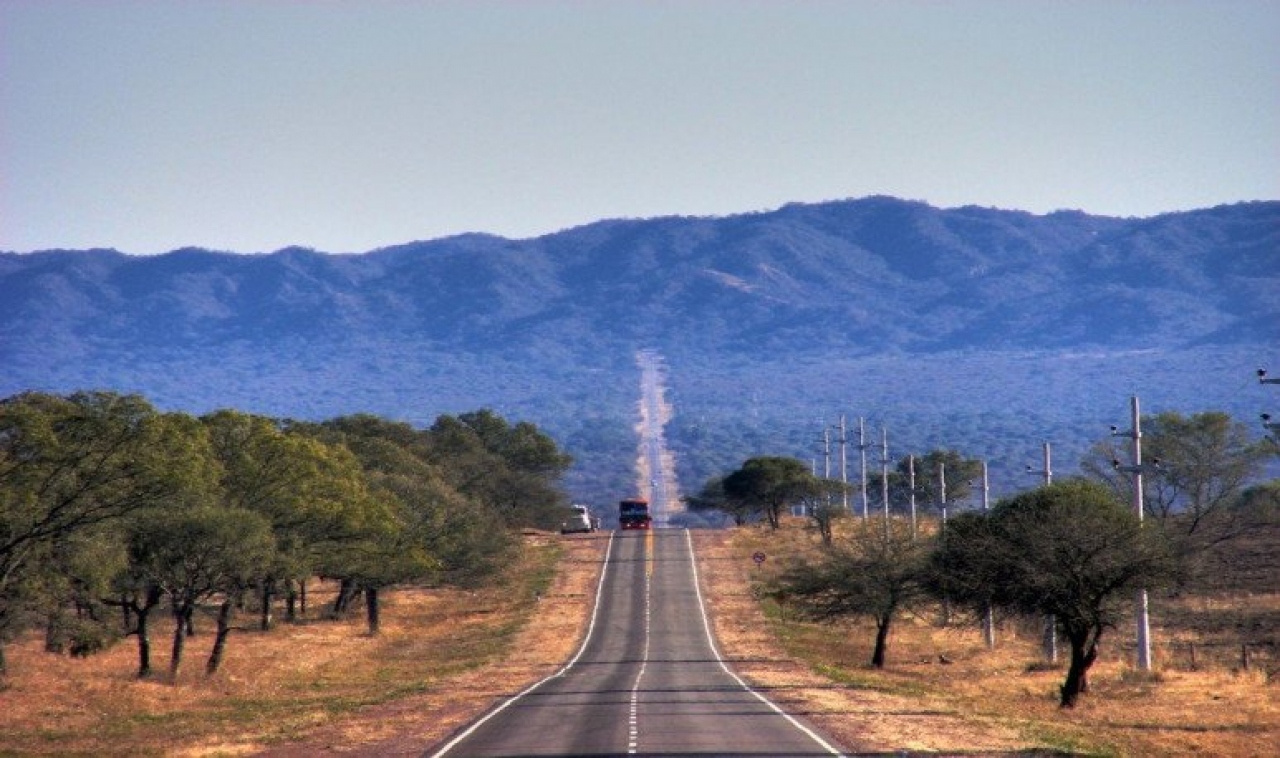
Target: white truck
<point x="580" y="522"/>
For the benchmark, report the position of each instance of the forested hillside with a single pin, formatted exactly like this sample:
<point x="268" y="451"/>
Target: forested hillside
<point x="974" y="328"/>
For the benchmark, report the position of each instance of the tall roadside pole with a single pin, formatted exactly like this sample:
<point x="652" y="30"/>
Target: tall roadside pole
<point x="862" y="448"/>
<point x="942" y="491"/>
<point x="884" y="474"/>
<point x="1272" y="427"/>
<point x="826" y="452"/>
<point x="911" y="491"/>
<point x="942" y="530"/>
<point x="988" y="618"/>
<point x="1143" y="618"/>
<point x="826" y="462"/>
<point x="1050" y="644"/>
<point x="844" y="464"/>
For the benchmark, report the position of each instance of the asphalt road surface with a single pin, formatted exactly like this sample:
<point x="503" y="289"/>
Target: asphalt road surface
<point x="647" y="680"/>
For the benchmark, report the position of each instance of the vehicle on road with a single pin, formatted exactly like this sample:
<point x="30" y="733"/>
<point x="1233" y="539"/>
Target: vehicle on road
<point x="633" y="513"/>
<point x="580" y="522"/>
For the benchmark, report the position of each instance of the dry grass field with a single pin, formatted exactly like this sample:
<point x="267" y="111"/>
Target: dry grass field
<point x="315" y="687"/>
<point x="992" y="701"/>
<point x="325" y="687"/>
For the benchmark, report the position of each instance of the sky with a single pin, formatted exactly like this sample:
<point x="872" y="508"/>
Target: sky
<point x="346" y="126"/>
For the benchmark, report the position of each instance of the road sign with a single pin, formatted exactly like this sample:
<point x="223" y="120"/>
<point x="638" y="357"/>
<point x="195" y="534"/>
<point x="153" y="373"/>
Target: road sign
<point x="758" y="558"/>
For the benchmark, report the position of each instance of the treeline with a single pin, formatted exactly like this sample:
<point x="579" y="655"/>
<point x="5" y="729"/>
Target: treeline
<point x="1073" y="550"/>
<point x="1201" y="475"/>
<point x="110" y="509"/>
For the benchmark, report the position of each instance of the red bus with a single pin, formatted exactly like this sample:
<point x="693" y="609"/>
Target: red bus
<point x="634" y="514"/>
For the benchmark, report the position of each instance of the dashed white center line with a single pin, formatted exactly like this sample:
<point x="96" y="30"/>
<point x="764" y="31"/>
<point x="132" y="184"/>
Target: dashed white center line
<point x="633" y="734"/>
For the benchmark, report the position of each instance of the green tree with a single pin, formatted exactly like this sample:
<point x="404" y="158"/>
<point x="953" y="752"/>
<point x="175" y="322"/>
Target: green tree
<point x="138" y="594"/>
<point x="770" y="485"/>
<point x="390" y="549"/>
<point x="823" y="502"/>
<point x="77" y="576"/>
<point x="712" y="497"/>
<point x="1070" y="549"/>
<point x="1201" y="464"/>
<point x="69" y="465"/>
<point x="312" y="493"/>
<point x="465" y="538"/>
<point x="960" y="473"/>
<point x="1198" y="468"/>
<point x="877" y="570"/>
<point x="193" y="554"/>
<point x="515" y="470"/>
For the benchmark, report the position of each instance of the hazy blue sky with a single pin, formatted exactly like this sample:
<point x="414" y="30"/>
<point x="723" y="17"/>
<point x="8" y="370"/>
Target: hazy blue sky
<point x="345" y="126"/>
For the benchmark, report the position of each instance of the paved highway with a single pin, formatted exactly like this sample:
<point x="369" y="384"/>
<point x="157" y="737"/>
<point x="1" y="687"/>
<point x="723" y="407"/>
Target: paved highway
<point x="648" y="679"/>
<point x="660" y="489"/>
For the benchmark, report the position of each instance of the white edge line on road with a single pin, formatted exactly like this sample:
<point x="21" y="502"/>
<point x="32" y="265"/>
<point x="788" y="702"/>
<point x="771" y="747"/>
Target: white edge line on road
<point x="591" y="627"/>
<point x="706" y="626"/>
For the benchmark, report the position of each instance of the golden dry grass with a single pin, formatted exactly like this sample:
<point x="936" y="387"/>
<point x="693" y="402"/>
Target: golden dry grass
<point x="980" y="701"/>
<point x="316" y="687"/>
<point x="445" y="656"/>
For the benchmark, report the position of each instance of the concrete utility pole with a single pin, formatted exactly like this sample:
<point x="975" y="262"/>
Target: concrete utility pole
<point x="1143" y="619"/>
<point x="826" y="452"/>
<point x="844" y="465"/>
<point x="988" y="618"/>
<point x="911" y="491"/>
<point x="884" y="473"/>
<point x="942" y="489"/>
<point x="1272" y="427"/>
<point x="1050" y="644"/>
<point x="1046" y="469"/>
<point x="986" y="489"/>
<point x="862" y="448"/>
<point x="826" y="465"/>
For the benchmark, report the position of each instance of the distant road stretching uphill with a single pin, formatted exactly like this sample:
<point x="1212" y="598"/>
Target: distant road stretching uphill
<point x="648" y="679"/>
<point x="656" y="466"/>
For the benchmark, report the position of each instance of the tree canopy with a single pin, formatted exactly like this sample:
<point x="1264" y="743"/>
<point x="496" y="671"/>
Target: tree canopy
<point x="1070" y="549"/>
<point x="106" y="501"/>
<point x="876" y="569"/>
<point x="769" y="485"/>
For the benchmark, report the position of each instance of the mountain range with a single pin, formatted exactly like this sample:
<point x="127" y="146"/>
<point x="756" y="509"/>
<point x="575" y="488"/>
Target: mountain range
<point x="930" y="320"/>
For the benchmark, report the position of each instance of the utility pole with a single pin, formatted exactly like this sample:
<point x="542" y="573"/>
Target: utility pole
<point x="986" y="489"/>
<point x="1272" y="427"/>
<point x="1137" y="469"/>
<point x="911" y="491"/>
<point x="884" y="474"/>
<point x="942" y="489"/>
<point x="862" y="449"/>
<point x="988" y="618"/>
<point x="1046" y="469"/>
<point x="826" y="460"/>
<point x="826" y="452"/>
<point x="844" y="465"/>
<point x="1050" y="644"/>
<point x="942" y="530"/>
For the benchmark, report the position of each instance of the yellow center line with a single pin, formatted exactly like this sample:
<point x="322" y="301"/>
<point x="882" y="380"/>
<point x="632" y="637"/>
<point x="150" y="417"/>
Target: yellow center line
<point x="648" y="552"/>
